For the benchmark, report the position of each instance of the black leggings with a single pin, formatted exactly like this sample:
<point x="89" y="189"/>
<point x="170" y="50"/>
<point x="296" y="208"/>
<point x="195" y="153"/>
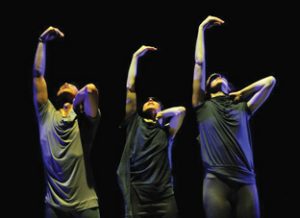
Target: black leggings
<point x="227" y="199"/>
<point x="51" y="212"/>
<point x="165" y="208"/>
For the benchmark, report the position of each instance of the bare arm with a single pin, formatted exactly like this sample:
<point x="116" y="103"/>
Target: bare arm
<point x="39" y="84"/>
<point x="132" y="72"/>
<point x="177" y="115"/>
<point x="88" y="98"/>
<point x="257" y="92"/>
<point x="200" y="65"/>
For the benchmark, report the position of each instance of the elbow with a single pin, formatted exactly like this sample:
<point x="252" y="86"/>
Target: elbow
<point x="271" y="81"/>
<point x="181" y="110"/>
<point x="195" y="102"/>
<point x="36" y="72"/>
<point x="198" y="61"/>
<point x="91" y="89"/>
<point x="130" y="88"/>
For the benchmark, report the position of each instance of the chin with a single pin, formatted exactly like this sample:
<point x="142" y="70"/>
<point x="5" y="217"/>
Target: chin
<point x="149" y="113"/>
<point x="66" y="97"/>
<point x="66" y="92"/>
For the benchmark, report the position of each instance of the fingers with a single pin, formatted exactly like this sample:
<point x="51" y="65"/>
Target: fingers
<point x="216" y="20"/>
<point x="50" y="33"/>
<point x="151" y="48"/>
<point x="56" y="31"/>
<point x="211" y="21"/>
<point x="59" y="33"/>
<point x="143" y="50"/>
<point x="146" y="47"/>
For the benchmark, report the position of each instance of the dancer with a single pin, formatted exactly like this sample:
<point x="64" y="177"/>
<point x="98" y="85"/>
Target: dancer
<point x="66" y="138"/>
<point x="229" y="186"/>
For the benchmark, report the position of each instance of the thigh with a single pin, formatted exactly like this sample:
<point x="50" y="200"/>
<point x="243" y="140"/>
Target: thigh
<point x="216" y="200"/>
<point x="247" y="202"/>
<point x="171" y="208"/>
<point x="165" y="208"/>
<point x="51" y="212"/>
<point x="89" y="213"/>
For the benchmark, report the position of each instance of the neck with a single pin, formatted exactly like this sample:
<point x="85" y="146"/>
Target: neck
<point x="150" y="114"/>
<point x="212" y="95"/>
<point x="65" y="110"/>
<point x="150" y="121"/>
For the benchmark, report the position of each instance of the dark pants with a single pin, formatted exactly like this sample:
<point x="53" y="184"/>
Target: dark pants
<point x="51" y="212"/>
<point x="227" y="199"/>
<point x="164" y="208"/>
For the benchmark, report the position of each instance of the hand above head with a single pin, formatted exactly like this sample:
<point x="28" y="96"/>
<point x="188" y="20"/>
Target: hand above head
<point x="211" y="21"/>
<point x="143" y="49"/>
<point x="50" y="34"/>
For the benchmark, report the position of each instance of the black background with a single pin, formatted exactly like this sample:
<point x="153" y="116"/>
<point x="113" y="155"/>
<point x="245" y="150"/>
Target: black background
<point x="255" y="41"/>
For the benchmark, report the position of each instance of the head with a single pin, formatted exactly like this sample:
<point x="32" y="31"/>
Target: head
<point x="217" y="83"/>
<point x="151" y="107"/>
<point x="66" y="93"/>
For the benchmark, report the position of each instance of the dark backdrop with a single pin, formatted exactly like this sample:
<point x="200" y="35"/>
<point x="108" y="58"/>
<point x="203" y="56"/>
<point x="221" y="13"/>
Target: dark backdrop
<point x="255" y="41"/>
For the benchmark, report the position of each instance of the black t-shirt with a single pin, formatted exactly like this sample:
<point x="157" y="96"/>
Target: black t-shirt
<point x="225" y="139"/>
<point x="145" y="163"/>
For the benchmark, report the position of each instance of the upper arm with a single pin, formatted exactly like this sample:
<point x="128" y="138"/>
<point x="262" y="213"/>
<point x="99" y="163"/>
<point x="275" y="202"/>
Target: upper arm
<point x="131" y="106"/>
<point x="262" y="94"/>
<point x="198" y="95"/>
<point x="176" y="121"/>
<point x="40" y="93"/>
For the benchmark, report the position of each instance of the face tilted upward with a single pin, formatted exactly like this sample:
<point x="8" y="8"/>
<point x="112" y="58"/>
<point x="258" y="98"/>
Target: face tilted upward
<point x="152" y="104"/>
<point x="67" y="88"/>
<point x="217" y="83"/>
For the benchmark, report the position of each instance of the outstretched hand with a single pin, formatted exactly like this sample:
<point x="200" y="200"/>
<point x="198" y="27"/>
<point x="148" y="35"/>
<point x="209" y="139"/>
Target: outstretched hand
<point x="236" y="96"/>
<point x="159" y="115"/>
<point x="143" y="49"/>
<point x="211" y="21"/>
<point x="50" y="34"/>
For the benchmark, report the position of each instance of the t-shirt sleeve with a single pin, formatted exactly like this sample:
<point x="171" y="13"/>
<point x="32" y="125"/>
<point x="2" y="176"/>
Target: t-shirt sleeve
<point x="88" y="128"/>
<point x="44" y="110"/>
<point x="94" y="120"/>
<point x="247" y="109"/>
<point x="128" y="122"/>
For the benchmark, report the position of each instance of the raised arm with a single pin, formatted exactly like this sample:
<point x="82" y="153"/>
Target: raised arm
<point x="88" y="97"/>
<point x="177" y="115"/>
<point x="256" y="93"/>
<point x="39" y="84"/>
<point x="132" y="72"/>
<point x="200" y="68"/>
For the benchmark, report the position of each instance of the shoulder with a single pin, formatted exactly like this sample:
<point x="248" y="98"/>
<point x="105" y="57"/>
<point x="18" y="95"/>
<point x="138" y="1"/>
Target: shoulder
<point x="45" y="107"/>
<point x="129" y="120"/>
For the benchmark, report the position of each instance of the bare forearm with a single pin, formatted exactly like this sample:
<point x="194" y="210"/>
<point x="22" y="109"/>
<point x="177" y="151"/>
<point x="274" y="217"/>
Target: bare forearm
<point x="172" y="111"/>
<point x="131" y="95"/>
<point x="199" y="69"/>
<point x="177" y="115"/>
<point x="88" y="97"/>
<point x="255" y="87"/>
<point x="132" y="73"/>
<point x="39" y="84"/>
<point x="40" y="60"/>
<point x="84" y="92"/>
<point x="200" y="47"/>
